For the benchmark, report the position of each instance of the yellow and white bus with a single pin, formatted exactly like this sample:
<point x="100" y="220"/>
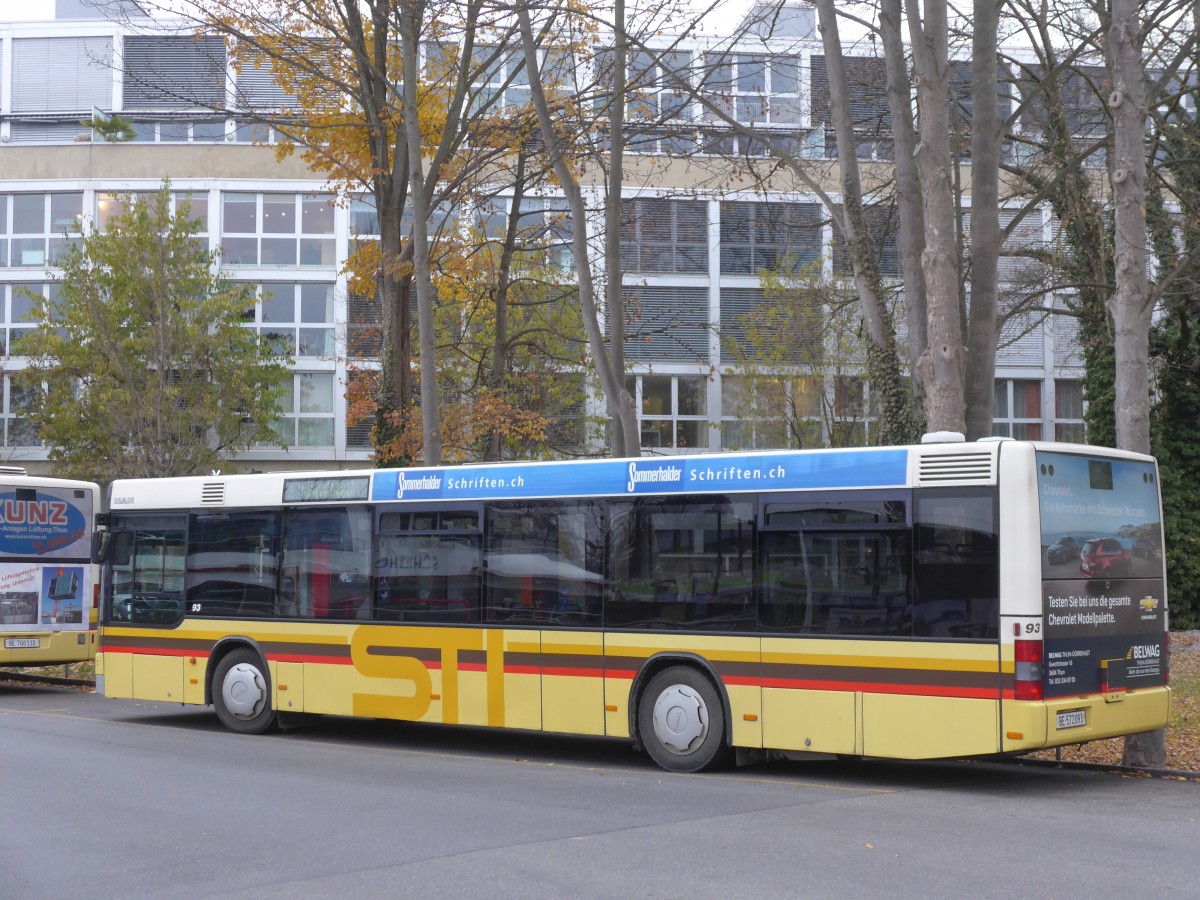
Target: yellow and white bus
<point x="906" y="602"/>
<point x="48" y="592"/>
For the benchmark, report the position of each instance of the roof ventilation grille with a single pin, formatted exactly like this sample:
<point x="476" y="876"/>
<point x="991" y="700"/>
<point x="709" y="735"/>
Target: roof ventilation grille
<point x="975" y="467"/>
<point x="213" y="492"/>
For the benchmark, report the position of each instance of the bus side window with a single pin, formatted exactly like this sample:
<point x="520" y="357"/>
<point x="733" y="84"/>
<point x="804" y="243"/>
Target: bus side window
<point x="326" y="567"/>
<point x="687" y="563"/>
<point x="427" y="577"/>
<point x="543" y="562"/>
<point x="956" y="567"/>
<point x="785" y="596"/>
<point x="232" y="564"/>
<point x="146" y="570"/>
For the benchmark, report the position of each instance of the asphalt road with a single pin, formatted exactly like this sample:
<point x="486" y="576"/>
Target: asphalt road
<point x="102" y="798"/>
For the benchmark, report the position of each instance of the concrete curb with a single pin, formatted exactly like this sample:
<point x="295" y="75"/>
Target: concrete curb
<point x="27" y="678"/>
<point x="1115" y="769"/>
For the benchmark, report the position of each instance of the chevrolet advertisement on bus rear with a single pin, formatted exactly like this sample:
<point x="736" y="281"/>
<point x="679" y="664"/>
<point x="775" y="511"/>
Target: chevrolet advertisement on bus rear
<point x="1103" y="580"/>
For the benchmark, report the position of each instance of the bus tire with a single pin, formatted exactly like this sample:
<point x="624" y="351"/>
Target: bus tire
<point x="681" y="721"/>
<point x="241" y="693"/>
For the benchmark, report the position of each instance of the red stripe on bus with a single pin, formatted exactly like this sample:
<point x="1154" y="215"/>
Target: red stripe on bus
<point x="629" y="674"/>
<point x="626" y="674"/>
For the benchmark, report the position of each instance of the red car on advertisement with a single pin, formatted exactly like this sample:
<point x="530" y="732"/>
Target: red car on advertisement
<point x="1104" y="558"/>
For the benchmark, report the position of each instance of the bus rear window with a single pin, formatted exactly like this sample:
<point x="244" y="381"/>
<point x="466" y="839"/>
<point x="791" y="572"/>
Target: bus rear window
<point x="1099" y="518"/>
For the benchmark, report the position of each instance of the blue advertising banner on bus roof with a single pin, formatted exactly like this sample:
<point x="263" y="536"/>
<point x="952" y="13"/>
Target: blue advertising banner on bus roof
<point x="885" y="467"/>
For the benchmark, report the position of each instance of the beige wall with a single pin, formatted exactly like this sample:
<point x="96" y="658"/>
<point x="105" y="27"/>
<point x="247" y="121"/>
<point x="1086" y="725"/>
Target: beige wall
<point x="155" y="161"/>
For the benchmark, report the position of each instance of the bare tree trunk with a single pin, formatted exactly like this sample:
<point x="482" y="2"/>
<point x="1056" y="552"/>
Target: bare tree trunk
<point x="1130" y="304"/>
<point x="941" y="367"/>
<point x="883" y="364"/>
<point x="389" y="157"/>
<point x="618" y="399"/>
<point x="908" y="181"/>
<point x="613" y="287"/>
<point x="410" y="34"/>
<point x="983" y="320"/>
<point x="503" y="283"/>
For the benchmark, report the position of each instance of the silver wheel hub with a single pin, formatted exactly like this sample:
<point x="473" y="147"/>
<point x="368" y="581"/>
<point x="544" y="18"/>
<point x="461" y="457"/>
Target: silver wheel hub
<point x="680" y="719"/>
<point x="244" y="691"/>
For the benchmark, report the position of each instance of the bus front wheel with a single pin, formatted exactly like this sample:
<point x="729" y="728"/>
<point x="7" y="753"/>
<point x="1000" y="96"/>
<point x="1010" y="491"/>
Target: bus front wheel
<point x="241" y="693"/>
<point x="681" y="721"/>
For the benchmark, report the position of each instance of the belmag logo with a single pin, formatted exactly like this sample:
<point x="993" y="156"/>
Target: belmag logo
<point x="428" y="482"/>
<point x="659" y="474"/>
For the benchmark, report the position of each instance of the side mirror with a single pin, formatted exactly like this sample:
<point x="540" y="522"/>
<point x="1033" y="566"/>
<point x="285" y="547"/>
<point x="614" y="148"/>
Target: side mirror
<point x="112" y="547"/>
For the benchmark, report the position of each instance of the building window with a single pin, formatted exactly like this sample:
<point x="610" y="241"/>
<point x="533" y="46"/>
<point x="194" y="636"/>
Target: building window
<point x="771" y="412"/>
<point x="1081" y="96"/>
<point x="358" y="428"/>
<point x="364" y="218"/>
<point x="1068" y="411"/>
<point x="174" y="72"/>
<point x="544" y="234"/>
<point x="503" y="82"/>
<point x="883" y="225"/>
<point x="759" y="90"/>
<point x="110" y="206"/>
<point x="866" y="81"/>
<point x="277" y="229"/>
<point x="1018" y="409"/>
<point x="659" y="113"/>
<point x="61" y="74"/>
<point x="307" y="411"/>
<point x="760" y="412"/>
<point x="664" y="236"/>
<point x="672" y="410"/>
<point x="666" y="323"/>
<point x="38" y="227"/>
<point x="778" y="237"/>
<point x="296" y="319"/>
<point x="853" y="413"/>
<point x="175" y="131"/>
<point x="20" y="311"/>
<point x="19" y="429"/>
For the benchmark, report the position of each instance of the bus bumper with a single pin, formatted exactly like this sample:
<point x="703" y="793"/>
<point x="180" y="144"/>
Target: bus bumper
<point x="1074" y="720"/>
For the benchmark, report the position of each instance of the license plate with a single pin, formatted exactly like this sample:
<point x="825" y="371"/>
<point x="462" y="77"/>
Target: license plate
<point x="21" y="643"/>
<point x="1074" y="718"/>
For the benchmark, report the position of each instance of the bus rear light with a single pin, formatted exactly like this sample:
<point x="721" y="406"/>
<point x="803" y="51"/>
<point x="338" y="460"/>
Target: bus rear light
<point x="1027" y="684"/>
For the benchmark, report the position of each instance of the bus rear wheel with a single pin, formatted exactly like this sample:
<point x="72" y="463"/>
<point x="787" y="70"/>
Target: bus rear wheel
<point x="241" y="693"/>
<point x="681" y="721"/>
